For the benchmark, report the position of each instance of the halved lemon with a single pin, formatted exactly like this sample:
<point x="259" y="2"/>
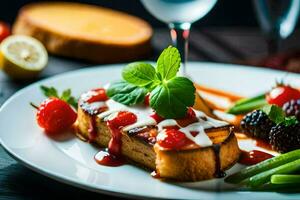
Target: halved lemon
<point x="22" y="57"/>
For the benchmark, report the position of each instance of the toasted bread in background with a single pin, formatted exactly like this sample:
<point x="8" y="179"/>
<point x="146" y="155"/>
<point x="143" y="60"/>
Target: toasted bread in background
<point x="86" y="32"/>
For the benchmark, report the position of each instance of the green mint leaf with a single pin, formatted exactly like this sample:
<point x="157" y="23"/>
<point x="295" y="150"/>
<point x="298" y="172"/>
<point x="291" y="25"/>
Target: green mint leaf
<point x="126" y="93"/>
<point x="289" y="121"/>
<point x="139" y="74"/>
<point x="172" y="98"/>
<point x="168" y="63"/>
<point x="275" y="113"/>
<point x="49" y="91"/>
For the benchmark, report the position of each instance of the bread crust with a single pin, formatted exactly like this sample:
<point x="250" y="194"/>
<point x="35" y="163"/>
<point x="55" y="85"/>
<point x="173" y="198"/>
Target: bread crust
<point x="197" y="164"/>
<point x="62" y="44"/>
<point x="185" y="165"/>
<point x="132" y="148"/>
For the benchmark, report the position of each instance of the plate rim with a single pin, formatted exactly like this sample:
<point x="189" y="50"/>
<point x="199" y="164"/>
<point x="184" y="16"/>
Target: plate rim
<point x="68" y="180"/>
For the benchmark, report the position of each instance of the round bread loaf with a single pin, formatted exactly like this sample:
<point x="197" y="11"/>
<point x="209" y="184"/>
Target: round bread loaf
<point x="84" y="31"/>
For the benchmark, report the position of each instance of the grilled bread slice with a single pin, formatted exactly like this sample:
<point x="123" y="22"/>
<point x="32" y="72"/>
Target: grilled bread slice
<point x="200" y="163"/>
<point x="84" y="31"/>
<point x="137" y="148"/>
<point x="139" y="145"/>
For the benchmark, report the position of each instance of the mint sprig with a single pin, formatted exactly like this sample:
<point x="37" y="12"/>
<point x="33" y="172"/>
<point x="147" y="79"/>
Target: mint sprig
<point x="126" y="93"/>
<point x="139" y="74"/>
<point x="171" y="99"/>
<point x="65" y="96"/>
<point x="168" y="63"/>
<point x="277" y="115"/>
<point x="170" y="95"/>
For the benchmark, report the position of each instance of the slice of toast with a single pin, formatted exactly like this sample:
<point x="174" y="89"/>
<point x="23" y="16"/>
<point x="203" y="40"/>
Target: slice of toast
<point x="84" y="31"/>
<point x="139" y="145"/>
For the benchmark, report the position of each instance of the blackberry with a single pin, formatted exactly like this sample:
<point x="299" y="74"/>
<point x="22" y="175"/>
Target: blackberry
<point x="292" y="108"/>
<point x="257" y="124"/>
<point x="285" y="138"/>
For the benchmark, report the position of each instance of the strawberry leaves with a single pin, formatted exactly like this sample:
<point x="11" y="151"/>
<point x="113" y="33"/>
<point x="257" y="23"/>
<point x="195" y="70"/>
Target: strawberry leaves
<point x="65" y="96"/>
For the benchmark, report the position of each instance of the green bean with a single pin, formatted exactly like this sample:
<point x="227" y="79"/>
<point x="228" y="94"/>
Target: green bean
<point x="264" y="177"/>
<point x="278" y="187"/>
<point x="263" y="166"/>
<point x="285" y="179"/>
<point x="247" y="100"/>
<point x="247" y="105"/>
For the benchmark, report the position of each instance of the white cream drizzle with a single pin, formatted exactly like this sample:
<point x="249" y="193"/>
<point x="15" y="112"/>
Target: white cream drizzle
<point x="201" y="138"/>
<point x="209" y="122"/>
<point x="142" y="113"/>
<point x="96" y="105"/>
<point x="107" y="113"/>
<point x="147" y="122"/>
<point x="166" y="122"/>
<point x="144" y="119"/>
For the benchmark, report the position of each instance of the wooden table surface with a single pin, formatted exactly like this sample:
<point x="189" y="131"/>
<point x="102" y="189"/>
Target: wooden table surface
<point x="228" y="45"/>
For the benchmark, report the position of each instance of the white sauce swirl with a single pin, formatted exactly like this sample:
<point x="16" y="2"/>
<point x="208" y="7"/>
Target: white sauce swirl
<point x="143" y="119"/>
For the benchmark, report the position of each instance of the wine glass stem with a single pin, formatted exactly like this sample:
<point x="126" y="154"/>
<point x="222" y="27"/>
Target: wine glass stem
<point x="180" y="35"/>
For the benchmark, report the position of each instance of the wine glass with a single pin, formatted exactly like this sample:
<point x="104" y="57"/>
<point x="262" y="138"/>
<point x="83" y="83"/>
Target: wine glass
<point x="179" y="15"/>
<point x="277" y="19"/>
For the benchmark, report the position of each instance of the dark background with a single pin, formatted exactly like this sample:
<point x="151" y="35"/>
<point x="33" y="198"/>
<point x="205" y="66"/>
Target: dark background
<point x="228" y="34"/>
<point x="225" y="13"/>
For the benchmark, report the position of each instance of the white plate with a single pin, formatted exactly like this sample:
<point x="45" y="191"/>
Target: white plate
<point x="71" y="160"/>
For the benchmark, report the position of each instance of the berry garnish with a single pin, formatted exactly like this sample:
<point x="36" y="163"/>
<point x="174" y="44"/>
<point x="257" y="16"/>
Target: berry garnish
<point x="282" y="94"/>
<point x="124" y="118"/>
<point x="156" y="117"/>
<point x="257" y="124"/>
<point x="97" y="95"/>
<point x="147" y="100"/>
<point x="285" y="138"/>
<point x="189" y="118"/>
<point x="173" y="139"/>
<point x="55" y="115"/>
<point x="292" y="108"/>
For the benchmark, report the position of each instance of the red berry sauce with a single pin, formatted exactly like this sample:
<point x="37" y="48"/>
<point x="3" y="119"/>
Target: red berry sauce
<point x="112" y="156"/>
<point x="107" y="159"/>
<point x="188" y="119"/>
<point x="147" y="100"/>
<point x="97" y="95"/>
<point x="263" y="144"/>
<point x="173" y="139"/>
<point x="253" y="157"/>
<point x="87" y="103"/>
<point x="157" y="118"/>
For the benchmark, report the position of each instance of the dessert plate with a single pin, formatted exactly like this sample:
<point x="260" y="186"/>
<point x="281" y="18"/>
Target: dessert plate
<point x="71" y="161"/>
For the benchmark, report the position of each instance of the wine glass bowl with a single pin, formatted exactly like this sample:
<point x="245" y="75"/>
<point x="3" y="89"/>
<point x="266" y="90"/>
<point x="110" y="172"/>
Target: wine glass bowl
<point x="179" y="11"/>
<point x="277" y="19"/>
<point x="179" y="15"/>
